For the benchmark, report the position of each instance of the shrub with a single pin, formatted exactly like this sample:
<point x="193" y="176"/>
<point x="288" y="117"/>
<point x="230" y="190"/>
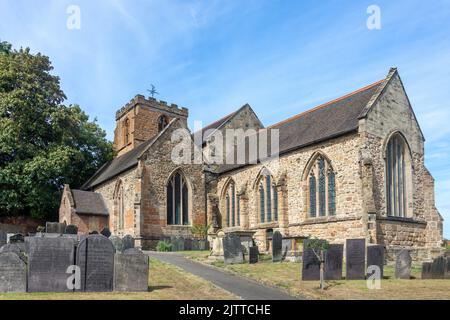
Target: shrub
<point x="164" y="246"/>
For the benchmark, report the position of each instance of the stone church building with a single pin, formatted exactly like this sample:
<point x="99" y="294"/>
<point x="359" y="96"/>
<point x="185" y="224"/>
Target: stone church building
<point x="350" y="168"/>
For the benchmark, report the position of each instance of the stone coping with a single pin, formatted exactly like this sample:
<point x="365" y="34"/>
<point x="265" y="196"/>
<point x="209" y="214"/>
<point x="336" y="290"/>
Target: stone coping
<point x="322" y="220"/>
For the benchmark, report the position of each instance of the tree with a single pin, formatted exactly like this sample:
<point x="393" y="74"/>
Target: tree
<point x="319" y="248"/>
<point x="43" y="143"/>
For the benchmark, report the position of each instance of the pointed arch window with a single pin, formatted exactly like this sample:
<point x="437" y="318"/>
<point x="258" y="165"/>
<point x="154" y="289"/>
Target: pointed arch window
<point x="177" y="200"/>
<point x="322" y="189"/>
<point x="398" y="175"/>
<point x="232" y="206"/>
<point x="120" y="205"/>
<point x="162" y="123"/>
<point x="127" y="131"/>
<point x="268" y="198"/>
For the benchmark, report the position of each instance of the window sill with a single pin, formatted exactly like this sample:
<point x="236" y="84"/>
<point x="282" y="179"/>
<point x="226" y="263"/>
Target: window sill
<point x="401" y="219"/>
<point x="266" y="225"/>
<point x="328" y="219"/>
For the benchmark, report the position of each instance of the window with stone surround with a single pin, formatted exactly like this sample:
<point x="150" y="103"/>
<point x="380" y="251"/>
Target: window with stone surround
<point x="321" y="188"/>
<point x="177" y="200"/>
<point x="268" y="197"/>
<point x="162" y="123"/>
<point x="232" y="206"/>
<point x="126" y="131"/>
<point x="398" y="177"/>
<point x="119" y="206"/>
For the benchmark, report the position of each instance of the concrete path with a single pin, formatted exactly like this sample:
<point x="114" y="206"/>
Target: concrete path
<point x="245" y="288"/>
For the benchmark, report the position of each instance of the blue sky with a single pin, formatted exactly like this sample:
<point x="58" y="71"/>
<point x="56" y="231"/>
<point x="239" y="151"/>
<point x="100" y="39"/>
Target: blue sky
<point x="281" y="57"/>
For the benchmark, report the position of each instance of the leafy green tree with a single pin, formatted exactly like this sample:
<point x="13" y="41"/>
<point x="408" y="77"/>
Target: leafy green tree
<point x="43" y="143"/>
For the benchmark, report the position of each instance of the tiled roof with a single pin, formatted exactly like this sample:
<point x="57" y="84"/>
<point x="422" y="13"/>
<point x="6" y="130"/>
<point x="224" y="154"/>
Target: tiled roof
<point x="89" y="203"/>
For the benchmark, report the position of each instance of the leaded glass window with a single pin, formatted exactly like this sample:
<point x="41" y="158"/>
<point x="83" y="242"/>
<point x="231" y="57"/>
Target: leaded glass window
<point x="232" y="205"/>
<point x="268" y="198"/>
<point x="322" y="192"/>
<point x="177" y="200"/>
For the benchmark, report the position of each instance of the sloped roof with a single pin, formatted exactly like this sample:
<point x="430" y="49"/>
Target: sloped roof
<point x="89" y="203"/>
<point x="123" y="163"/>
<point x="327" y="121"/>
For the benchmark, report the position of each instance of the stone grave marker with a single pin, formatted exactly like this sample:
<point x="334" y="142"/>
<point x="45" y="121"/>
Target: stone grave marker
<point x="48" y="260"/>
<point x="375" y="257"/>
<point x="188" y="244"/>
<point x="180" y="243"/>
<point x="426" y="270"/>
<point x="286" y="248"/>
<point x="232" y="249"/>
<point x="131" y="271"/>
<point x="17" y="248"/>
<point x="55" y="227"/>
<point x="355" y="259"/>
<point x="333" y="262"/>
<point x="106" y="232"/>
<point x="195" y="244"/>
<point x="117" y="243"/>
<point x="95" y="257"/>
<point x="93" y="232"/>
<point x="203" y="245"/>
<point x="438" y="268"/>
<point x="310" y="265"/>
<point x="253" y="255"/>
<point x="17" y="238"/>
<point x="447" y="268"/>
<point x="3" y="238"/>
<point x="71" y="229"/>
<point x="13" y="273"/>
<point x="217" y="245"/>
<point x="132" y="251"/>
<point x="128" y="242"/>
<point x="403" y="265"/>
<point x="277" y="254"/>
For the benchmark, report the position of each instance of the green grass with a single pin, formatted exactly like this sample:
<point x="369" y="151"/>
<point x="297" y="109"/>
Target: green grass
<point x="287" y="275"/>
<point x="166" y="283"/>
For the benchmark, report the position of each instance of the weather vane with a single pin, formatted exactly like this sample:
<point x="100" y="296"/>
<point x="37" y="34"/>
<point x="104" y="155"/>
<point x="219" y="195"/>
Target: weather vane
<point x="153" y="91"/>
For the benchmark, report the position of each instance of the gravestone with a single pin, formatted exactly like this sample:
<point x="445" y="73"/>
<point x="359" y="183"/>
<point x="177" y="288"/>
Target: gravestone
<point x="355" y="259"/>
<point x="13" y="273"/>
<point x="131" y="271"/>
<point x="93" y="232"/>
<point x="17" y="248"/>
<point x="128" y="242"/>
<point x="232" y="249"/>
<point x="203" y="245"/>
<point x="426" y="270"/>
<point x="375" y="257"/>
<point x="310" y="264"/>
<point x="403" y="265"/>
<point x="286" y="248"/>
<point x="55" y="227"/>
<point x="3" y="238"/>
<point x="117" y="243"/>
<point x="133" y="251"/>
<point x="95" y="257"/>
<point x="188" y="244"/>
<point x="71" y="229"/>
<point x="253" y="255"/>
<point x="438" y="268"/>
<point x="48" y="261"/>
<point x="333" y="262"/>
<point x="447" y="268"/>
<point x="180" y="243"/>
<point x="17" y="238"/>
<point x="195" y="245"/>
<point x="277" y="254"/>
<point x="217" y="245"/>
<point x="106" y="232"/>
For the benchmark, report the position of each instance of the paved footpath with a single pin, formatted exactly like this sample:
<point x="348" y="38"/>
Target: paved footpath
<point x="245" y="288"/>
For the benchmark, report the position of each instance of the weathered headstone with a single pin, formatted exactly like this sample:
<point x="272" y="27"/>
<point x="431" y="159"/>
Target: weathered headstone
<point x="3" y="238"/>
<point x="203" y="245"/>
<point x="438" y="268"/>
<point x="17" y="238"/>
<point x="132" y="251"/>
<point x="253" y="255"/>
<point x="117" y="243"/>
<point x="286" y="248"/>
<point x="10" y="247"/>
<point x="355" y="259"/>
<point x="48" y="261"/>
<point x="232" y="249"/>
<point x="131" y="271"/>
<point x="195" y="245"/>
<point x="95" y="257"/>
<point x="188" y="244"/>
<point x="55" y="227"/>
<point x="447" y="268"/>
<point x="106" y="232"/>
<point x="71" y="229"/>
<point x="128" y="242"/>
<point x="310" y="265"/>
<point x="277" y="254"/>
<point x="426" y="270"/>
<point x="333" y="262"/>
<point x="403" y="265"/>
<point x="93" y="232"/>
<point x="375" y="257"/>
<point x="217" y="245"/>
<point x="13" y="273"/>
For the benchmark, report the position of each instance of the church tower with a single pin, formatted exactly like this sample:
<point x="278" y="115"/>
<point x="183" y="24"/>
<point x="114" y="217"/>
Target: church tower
<point x="141" y="119"/>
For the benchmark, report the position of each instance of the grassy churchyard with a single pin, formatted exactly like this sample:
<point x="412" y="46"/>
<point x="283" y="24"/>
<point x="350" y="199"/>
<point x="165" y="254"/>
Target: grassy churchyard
<point x="287" y="275"/>
<point x="166" y="283"/>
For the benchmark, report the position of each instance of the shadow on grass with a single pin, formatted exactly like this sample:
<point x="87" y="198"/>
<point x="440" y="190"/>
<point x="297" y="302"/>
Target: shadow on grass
<point x="155" y="288"/>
